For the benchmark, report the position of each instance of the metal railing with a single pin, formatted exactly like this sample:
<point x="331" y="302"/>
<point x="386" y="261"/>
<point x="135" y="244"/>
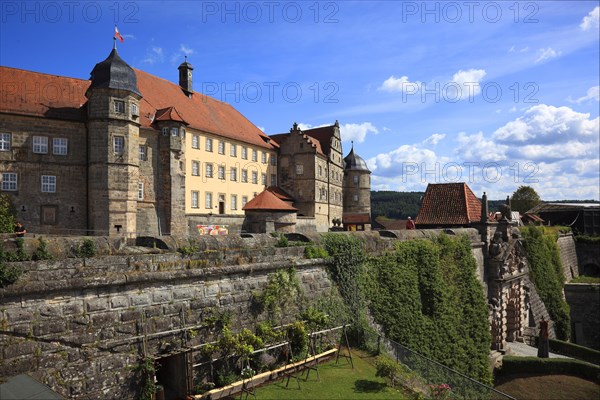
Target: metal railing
<point x="425" y="373"/>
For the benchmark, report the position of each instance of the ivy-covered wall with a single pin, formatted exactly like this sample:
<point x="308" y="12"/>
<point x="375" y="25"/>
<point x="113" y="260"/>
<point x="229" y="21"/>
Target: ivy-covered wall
<point x="425" y="294"/>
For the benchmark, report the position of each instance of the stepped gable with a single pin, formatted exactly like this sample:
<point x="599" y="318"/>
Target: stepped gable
<point x="318" y="138"/>
<point x="449" y="204"/>
<point x="43" y="95"/>
<point x="268" y="201"/>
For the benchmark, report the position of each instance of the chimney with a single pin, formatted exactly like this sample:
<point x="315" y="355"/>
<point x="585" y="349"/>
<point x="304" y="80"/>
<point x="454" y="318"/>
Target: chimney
<point x="185" y="77"/>
<point x="484" y="208"/>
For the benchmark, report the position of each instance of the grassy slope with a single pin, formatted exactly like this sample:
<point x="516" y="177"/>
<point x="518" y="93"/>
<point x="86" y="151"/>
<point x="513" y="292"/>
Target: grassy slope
<point x="564" y="387"/>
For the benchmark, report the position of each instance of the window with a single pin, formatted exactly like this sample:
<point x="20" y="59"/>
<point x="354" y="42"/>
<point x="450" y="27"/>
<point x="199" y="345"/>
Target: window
<point x="244" y="175"/>
<point x="165" y="131"/>
<point x="355" y="198"/>
<point x="140" y="190"/>
<point x="48" y="184"/>
<point x="209" y="170"/>
<point x="5" y="141"/>
<point x="209" y="144"/>
<point x="234" y="202"/>
<point x="194" y="199"/>
<point x="254" y="177"/>
<point x="208" y="200"/>
<point x="244" y="201"/>
<point x="273" y="180"/>
<point x="174" y="131"/>
<point x="273" y="160"/>
<point x="134" y="110"/>
<point x="299" y="169"/>
<point x="59" y="146"/>
<point x="143" y="153"/>
<point x="221" y="172"/>
<point x="233" y="150"/>
<point x="263" y="179"/>
<point x="233" y="174"/>
<point x="254" y="155"/>
<point x="195" y="168"/>
<point x="263" y="157"/>
<point x="355" y="179"/>
<point x="320" y="171"/>
<point x="118" y="144"/>
<point x="221" y="147"/>
<point x="40" y="144"/>
<point x="195" y="142"/>
<point x="244" y="152"/>
<point x="119" y="106"/>
<point x="9" y="181"/>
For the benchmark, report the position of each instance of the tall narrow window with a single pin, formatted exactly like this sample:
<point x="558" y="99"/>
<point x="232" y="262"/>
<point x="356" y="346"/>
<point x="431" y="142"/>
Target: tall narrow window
<point x="355" y="179"/>
<point x="221" y="172"/>
<point x="119" y="106"/>
<point x="209" y="170"/>
<point x="263" y="179"/>
<point x="209" y="144"/>
<point x="195" y="168"/>
<point x="221" y="147"/>
<point x="174" y="131"/>
<point x="244" y="175"/>
<point x="9" y="181"/>
<point x="5" y="141"/>
<point x="254" y="155"/>
<point x="40" y="144"/>
<point x="194" y="199"/>
<point x="208" y="200"/>
<point x="273" y="180"/>
<point x="143" y="153"/>
<point x="48" y="184"/>
<point x="263" y="157"/>
<point x="244" y="152"/>
<point x="273" y="159"/>
<point x="233" y="150"/>
<point x="118" y="144"/>
<point x="244" y="201"/>
<point x="140" y="190"/>
<point x="233" y="174"/>
<point x="234" y="202"/>
<point x="254" y="177"/>
<point x="134" y="110"/>
<point x="195" y="142"/>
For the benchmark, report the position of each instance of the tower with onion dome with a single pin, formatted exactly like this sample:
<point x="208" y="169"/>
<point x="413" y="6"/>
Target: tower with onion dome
<point x="357" y="193"/>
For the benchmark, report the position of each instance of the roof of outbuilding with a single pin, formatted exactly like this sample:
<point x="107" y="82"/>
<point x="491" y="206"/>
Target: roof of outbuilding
<point x="449" y="204"/>
<point x="268" y="201"/>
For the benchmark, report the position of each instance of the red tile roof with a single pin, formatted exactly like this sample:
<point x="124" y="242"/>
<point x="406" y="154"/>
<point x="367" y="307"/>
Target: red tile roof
<point x="267" y="201"/>
<point x="280" y="193"/>
<point x="37" y="94"/>
<point x="449" y="204"/>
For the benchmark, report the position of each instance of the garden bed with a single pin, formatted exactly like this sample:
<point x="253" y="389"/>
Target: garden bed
<point x="261" y="378"/>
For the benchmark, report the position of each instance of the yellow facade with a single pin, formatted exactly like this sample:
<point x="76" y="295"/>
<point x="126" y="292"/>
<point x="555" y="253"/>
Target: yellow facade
<point x="223" y="174"/>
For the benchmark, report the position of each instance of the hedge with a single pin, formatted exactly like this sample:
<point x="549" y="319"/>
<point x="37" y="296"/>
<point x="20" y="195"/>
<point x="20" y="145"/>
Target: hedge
<point x="573" y="350"/>
<point x="549" y="366"/>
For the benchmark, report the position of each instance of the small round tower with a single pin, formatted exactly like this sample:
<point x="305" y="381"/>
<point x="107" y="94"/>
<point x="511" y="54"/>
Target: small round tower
<point x="357" y="193"/>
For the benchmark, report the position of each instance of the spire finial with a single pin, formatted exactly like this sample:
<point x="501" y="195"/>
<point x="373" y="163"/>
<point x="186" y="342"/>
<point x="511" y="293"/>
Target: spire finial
<point x="115" y="43"/>
<point x="185" y="58"/>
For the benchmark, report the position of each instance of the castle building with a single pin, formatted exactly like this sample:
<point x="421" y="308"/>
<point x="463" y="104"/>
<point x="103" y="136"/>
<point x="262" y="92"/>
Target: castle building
<point x="357" y="193"/>
<point x="126" y="152"/>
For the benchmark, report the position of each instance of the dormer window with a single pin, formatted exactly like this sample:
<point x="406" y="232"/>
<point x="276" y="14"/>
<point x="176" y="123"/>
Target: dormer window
<point x="119" y="106"/>
<point x="134" y="110"/>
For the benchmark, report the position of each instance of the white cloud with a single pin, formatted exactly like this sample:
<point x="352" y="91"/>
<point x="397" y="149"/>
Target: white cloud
<point x="434" y="139"/>
<point x="469" y="81"/>
<point x="186" y="50"/>
<point x="357" y="132"/>
<point x="592" y="20"/>
<point x="402" y="84"/>
<point x="524" y="49"/>
<point x="512" y="49"/>
<point x="548" y="124"/>
<point x="386" y="129"/>
<point x="155" y="55"/>
<point x="476" y="148"/>
<point x="546" y="54"/>
<point x="593" y="93"/>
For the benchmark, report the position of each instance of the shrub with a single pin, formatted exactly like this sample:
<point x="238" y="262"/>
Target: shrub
<point x="7" y="214"/>
<point x="298" y="337"/>
<point x="549" y="366"/>
<point x="86" y="249"/>
<point x="315" y="252"/>
<point x="388" y="368"/>
<point x="573" y="350"/>
<point x="41" y="253"/>
<point x="9" y="274"/>
<point x="282" y="242"/>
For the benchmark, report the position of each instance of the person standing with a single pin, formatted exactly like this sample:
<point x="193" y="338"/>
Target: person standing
<point x="20" y="230"/>
<point x="410" y="224"/>
<point x="543" y="345"/>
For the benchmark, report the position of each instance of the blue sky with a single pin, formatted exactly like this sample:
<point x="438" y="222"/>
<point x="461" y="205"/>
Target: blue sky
<point x="496" y="94"/>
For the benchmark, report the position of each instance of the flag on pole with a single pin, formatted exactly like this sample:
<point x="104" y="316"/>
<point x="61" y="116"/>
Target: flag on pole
<point x="118" y="35"/>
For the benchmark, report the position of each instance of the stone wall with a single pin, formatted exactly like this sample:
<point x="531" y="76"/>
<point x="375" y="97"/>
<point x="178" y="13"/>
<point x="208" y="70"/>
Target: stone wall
<point x="584" y="302"/>
<point x="588" y="255"/>
<point x="79" y="325"/>
<point x="568" y="256"/>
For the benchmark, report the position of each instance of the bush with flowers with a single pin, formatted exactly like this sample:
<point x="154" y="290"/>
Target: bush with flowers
<point x="439" y="392"/>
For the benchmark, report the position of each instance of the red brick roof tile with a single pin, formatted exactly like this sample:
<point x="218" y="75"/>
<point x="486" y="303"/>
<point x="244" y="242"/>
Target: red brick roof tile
<point x="280" y="193"/>
<point x="268" y="201"/>
<point x="449" y="204"/>
<point x="51" y="96"/>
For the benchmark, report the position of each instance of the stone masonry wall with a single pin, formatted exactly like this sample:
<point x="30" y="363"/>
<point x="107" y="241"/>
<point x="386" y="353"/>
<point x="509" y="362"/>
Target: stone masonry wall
<point x="584" y="303"/>
<point x="568" y="256"/>
<point x="78" y="324"/>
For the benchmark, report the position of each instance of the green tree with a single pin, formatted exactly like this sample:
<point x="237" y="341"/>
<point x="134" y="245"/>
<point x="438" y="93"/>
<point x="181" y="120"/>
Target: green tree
<point x="524" y="199"/>
<point x="7" y="214"/>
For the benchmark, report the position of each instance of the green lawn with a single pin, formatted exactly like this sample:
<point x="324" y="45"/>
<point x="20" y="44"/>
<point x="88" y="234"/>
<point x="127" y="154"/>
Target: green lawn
<point x="338" y="381"/>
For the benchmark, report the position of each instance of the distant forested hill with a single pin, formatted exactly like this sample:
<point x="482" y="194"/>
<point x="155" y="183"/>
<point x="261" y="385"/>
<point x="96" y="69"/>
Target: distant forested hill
<point x="401" y="205"/>
<point x="395" y="205"/>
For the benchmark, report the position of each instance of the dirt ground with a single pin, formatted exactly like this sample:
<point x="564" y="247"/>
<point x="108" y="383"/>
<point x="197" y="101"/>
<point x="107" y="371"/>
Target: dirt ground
<point x="564" y="387"/>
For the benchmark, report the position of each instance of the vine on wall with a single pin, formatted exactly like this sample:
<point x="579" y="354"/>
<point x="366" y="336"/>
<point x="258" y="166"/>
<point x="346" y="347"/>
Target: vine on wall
<point x="546" y="272"/>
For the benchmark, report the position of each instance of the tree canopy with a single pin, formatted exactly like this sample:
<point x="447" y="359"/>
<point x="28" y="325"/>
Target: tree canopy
<point x="7" y="215"/>
<point x="524" y="199"/>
